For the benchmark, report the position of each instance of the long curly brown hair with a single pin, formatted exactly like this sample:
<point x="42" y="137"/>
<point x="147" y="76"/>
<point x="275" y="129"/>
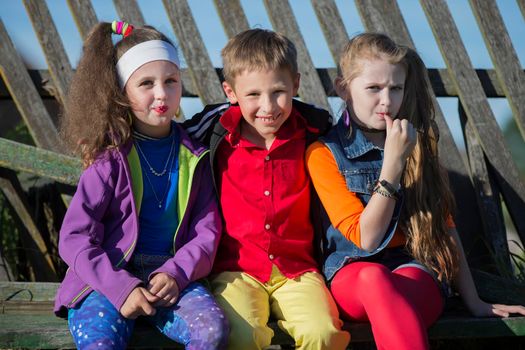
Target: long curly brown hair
<point x="97" y="111"/>
<point x="428" y="198"/>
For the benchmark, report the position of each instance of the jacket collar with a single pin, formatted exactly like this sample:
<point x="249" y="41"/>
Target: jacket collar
<point x="355" y="144"/>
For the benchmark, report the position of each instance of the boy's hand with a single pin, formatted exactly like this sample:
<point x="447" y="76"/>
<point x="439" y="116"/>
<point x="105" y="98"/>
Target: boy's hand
<point x="165" y="288"/>
<point x="138" y="303"/>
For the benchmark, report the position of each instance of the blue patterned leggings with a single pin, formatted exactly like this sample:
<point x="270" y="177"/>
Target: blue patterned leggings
<point x="195" y="321"/>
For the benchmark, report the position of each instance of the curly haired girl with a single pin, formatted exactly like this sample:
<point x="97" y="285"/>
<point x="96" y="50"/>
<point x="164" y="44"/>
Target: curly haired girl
<point x="143" y="225"/>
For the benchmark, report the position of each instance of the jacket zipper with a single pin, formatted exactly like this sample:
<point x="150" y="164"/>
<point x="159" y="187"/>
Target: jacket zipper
<point x="189" y="195"/>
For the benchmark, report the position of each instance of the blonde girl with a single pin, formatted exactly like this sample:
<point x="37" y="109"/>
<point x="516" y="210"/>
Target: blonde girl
<point x="392" y="249"/>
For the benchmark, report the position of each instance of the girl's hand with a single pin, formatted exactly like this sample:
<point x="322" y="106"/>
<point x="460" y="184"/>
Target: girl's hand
<point x="400" y="140"/>
<point x="138" y="303"/>
<point x="506" y="310"/>
<point x="491" y="310"/>
<point x="165" y="288"/>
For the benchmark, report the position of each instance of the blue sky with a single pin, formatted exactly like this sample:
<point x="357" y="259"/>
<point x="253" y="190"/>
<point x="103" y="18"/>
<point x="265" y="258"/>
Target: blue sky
<point x="14" y="17"/>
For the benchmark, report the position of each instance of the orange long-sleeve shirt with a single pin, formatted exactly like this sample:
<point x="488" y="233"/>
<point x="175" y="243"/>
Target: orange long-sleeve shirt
<point x="343" y="207"/>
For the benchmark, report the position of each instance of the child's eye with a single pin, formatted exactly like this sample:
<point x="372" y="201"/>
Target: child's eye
<point x="373" y="88"/>
<point x="171" y="81"/>
<point x="397" y="88"/>
<point x="146" y="83"/>
<point x="253" y="94"/>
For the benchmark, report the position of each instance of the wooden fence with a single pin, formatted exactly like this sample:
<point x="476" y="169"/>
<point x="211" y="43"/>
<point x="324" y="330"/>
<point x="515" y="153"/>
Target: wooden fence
<point x="488" y="176"/>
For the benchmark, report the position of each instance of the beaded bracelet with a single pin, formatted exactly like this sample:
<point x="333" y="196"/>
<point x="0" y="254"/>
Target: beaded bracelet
<point x="386" y="189"/>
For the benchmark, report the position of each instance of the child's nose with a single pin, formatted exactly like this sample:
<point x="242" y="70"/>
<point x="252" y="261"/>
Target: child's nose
<point x="160" y="92"/>
<point x="267" y="105"/>
<point x="386" y="98"/>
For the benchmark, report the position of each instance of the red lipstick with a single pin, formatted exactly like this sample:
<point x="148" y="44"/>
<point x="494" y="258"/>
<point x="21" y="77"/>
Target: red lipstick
<point x="161" y="109"/>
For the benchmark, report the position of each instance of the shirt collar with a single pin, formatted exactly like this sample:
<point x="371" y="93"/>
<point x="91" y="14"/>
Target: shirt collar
<point x="355" y="144"/>
<point x="293" y="127"/>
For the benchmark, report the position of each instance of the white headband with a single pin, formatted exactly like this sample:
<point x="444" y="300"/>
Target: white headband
<point x="140" y="54"/>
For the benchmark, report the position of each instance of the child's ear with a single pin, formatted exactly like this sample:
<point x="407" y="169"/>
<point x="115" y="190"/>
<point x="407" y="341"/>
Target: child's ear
<point x="296" y="83"/>
<point x="228" y="90"/>
<point x="340" y="88"/>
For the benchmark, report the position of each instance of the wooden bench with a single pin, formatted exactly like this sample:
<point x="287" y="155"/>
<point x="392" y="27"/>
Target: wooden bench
<point x="27" y="321"/>
<point x="479" y="183"/>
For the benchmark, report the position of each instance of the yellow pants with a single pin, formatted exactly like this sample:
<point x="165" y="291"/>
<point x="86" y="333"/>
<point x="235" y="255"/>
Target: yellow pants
<point x="303" y="307"/>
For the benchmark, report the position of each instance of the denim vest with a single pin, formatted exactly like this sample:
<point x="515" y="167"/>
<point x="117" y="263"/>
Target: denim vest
<point x="359" y="161"/>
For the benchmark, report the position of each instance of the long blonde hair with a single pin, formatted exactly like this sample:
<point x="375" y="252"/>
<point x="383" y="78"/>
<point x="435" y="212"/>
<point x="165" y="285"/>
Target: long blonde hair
<point x="428" y="199"/>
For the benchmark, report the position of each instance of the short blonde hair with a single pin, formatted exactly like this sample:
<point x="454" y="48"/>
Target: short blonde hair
<point x="257" y="49"/>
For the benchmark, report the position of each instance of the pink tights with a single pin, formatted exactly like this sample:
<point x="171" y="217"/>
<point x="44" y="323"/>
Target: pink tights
<point x="400" y="304"/>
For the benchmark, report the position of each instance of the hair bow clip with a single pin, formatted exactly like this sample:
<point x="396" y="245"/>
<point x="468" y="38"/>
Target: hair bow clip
<point x="121" y="28"/>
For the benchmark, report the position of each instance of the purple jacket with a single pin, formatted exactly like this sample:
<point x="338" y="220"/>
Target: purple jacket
<point x="100" y="229"/>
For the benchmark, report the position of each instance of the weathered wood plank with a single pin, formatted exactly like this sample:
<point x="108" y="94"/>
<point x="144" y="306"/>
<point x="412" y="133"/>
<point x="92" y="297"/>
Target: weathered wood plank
<point x="383" y="16"/>
<point x="34" y="331"/>
<point x="454" y="328"/>
<point x="488" y="199"/>
<point x="443" y="85"/>
<point x="83" y="14"/>
<point x="521" y="4"/>
<point x="54" y="51"/>
<point x="283" y="20"/>
<point x="26" y="308"/>
<point x="6" y="273"/>
<point x="332" y="26"/>
<point x="49" y="332"/>
<point x="232" y="16"/>
<point x="503" y="55"/>
<point x="25" y="95"/>
<point x="33" y="160"/>
<point x="202" y="72"/>
<point x="28" y="291"/>
<point x="477" y="109"/>
<point x="440" y="79"/>
<point x="36" y="249"/>
<point x="463" y="327"/>
<point x="40" y="80"/>
<point x="129" y="11"/>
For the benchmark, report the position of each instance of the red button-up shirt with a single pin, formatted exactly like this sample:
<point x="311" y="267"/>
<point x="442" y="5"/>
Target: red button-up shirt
<point x="265" y="201"/>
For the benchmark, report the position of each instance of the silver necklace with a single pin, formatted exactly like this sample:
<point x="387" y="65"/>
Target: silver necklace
<point x="153" y="171"/>
<point x="159" y="201"/>
<point x="170" y="160"/>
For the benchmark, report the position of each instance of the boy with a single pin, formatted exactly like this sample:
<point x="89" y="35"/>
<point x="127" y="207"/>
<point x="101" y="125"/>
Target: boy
<point x="265" y="264"/>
